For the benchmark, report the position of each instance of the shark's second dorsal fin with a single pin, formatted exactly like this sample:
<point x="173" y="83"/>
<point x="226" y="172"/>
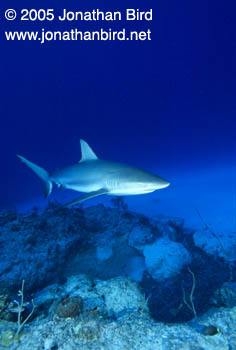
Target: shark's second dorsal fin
<point x="86" y="152"/>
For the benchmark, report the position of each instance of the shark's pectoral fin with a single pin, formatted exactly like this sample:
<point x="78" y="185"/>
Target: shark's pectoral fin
<point x="85" y="197"/>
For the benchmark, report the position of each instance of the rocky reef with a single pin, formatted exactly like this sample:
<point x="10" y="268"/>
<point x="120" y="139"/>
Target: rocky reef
<point x="96" y="273"/>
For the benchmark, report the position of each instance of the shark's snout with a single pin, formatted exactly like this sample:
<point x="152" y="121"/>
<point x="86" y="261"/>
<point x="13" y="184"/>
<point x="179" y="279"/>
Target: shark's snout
<point x="165" y="184"/>
<point x="162" y="183"/>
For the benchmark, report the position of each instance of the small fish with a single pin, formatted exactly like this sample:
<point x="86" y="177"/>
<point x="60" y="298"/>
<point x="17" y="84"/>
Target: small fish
<point x="211" y="330"/>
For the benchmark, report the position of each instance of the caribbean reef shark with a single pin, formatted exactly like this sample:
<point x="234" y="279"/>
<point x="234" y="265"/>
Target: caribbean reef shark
<point x="95" y="177"/>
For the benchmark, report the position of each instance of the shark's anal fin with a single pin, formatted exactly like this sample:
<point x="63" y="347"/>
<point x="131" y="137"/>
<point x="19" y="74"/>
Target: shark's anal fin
<point x="85" y="197"/>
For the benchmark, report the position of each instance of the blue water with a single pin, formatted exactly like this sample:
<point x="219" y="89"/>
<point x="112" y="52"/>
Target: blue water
<point x="165" y="105"/>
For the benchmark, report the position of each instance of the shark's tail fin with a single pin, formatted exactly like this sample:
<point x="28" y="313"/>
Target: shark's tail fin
<point x="42" y="174"/>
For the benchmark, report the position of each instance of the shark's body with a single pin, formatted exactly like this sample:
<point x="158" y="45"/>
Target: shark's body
<point x="95" y="177"/>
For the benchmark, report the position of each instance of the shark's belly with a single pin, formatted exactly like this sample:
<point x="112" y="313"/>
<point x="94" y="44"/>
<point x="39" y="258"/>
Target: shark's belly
<point x="128" y="192"/>
<point x="91" y="187"/>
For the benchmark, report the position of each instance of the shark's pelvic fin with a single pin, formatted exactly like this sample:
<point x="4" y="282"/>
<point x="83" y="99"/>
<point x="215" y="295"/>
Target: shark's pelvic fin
<point x="85" y="197"/>
<point x="86" y="152"/>
<point x="42" y="174"/>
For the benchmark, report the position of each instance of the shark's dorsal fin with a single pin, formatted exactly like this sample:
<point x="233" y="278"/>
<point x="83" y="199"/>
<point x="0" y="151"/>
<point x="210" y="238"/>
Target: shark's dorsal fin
<point x="86" y="152"/>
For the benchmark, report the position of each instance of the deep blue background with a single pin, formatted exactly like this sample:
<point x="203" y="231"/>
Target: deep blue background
<point x="164" y="103"/>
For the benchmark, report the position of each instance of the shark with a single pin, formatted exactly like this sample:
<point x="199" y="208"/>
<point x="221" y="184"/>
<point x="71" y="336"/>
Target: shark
<point x="94" y="177"/>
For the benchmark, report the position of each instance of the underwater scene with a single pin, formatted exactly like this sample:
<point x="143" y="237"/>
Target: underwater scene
<point x="118" y="176"/>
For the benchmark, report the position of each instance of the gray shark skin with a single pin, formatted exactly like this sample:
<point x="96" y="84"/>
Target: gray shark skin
<point x="95" y="177"/>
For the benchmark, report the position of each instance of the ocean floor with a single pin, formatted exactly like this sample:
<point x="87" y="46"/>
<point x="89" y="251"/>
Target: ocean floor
<point x="120" y="321"/>
<point x="108" y="277"/>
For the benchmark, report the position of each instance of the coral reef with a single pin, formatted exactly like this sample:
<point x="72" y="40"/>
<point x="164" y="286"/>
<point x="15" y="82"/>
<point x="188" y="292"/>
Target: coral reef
<point x="128" y="327"/>
<point x="59" y="244"/>
<point x="69" y="307"/>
